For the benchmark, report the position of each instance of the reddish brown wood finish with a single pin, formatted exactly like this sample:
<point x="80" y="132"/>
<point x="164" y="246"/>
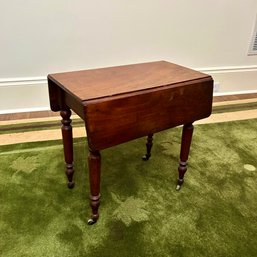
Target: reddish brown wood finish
<point x="187" y="134"/>
<point x="68" y="145"/>
<point x="145" y="112"/>
<point x="94" y="165"/>
<point x="105" y="82"/>
<point x="122" y="103"/>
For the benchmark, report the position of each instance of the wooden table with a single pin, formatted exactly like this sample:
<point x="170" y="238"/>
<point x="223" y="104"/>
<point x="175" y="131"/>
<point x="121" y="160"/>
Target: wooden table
<point x="122" y="103"/>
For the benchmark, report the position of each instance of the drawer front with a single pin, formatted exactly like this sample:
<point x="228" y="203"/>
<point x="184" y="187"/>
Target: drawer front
<point x="112" y="121"/>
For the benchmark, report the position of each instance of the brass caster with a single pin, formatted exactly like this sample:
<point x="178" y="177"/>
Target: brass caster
<point x="179" y="184"/>
<point x="91" y="221"/>
<point x="71" y="184"/>
<point x="146" y="157"/>
<point x="178" y="187"/>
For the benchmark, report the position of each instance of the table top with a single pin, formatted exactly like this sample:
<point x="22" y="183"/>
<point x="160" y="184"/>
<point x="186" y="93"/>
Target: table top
<point x="104" y="82"/>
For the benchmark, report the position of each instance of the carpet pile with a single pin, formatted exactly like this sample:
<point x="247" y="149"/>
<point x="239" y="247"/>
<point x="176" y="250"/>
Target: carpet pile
<point x="141" y="213"/>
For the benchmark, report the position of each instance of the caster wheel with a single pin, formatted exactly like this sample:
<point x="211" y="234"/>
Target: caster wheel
<point x="179" y="184"/>
<point x="146" y="157"/>
<point x="178" y="187"/>
<point x="71" y="184"/>
<point x="91" y="221"/>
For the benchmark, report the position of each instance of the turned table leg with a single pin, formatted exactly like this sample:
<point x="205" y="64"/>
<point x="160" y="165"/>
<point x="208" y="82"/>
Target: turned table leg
<point x="149" y="145"/>
<point x="94" y="164"/>
<point x="68" y="145"/>
<point x="184" y="152"/>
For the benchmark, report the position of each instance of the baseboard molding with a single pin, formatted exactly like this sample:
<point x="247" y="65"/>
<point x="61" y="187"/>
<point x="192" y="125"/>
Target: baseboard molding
<point x="30" y="94"/>
<point x="43" y="79"/>
<point x="228" y="69"/>
<point x="23" y="95"/>
<point x="35" y="109"/>
<point x="243" y="92"/>
<point x="22" y="81"/>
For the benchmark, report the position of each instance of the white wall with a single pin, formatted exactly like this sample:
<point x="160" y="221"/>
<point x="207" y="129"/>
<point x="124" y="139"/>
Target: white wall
<point x="41" y="37"/>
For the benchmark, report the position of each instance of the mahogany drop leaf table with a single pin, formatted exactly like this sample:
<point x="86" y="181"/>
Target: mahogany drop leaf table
<point x="123" y="103"/>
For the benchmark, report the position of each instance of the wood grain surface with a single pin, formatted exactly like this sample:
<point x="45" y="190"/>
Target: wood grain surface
<point x="97" y="83"/>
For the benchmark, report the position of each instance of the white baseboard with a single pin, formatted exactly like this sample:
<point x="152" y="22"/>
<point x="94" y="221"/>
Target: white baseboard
<point x="228" y="69"/>
<point x="235" y="92"/>
<point x="22" y="81"/>
<point x="35" y="109"/>
<point x="234" y="80"/>
<point x="31" y="94"/>
<point x="23" y="95"/>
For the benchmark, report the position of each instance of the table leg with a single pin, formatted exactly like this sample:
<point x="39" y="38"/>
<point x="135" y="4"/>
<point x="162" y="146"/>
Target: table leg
<point x="68" y="145"/>
<point x="149" y="145"/>
<point x="94" y="163"/>
<point x="184" y="152"/>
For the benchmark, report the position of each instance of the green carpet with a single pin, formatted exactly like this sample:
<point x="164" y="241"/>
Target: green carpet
<point x="141" y="214"/>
